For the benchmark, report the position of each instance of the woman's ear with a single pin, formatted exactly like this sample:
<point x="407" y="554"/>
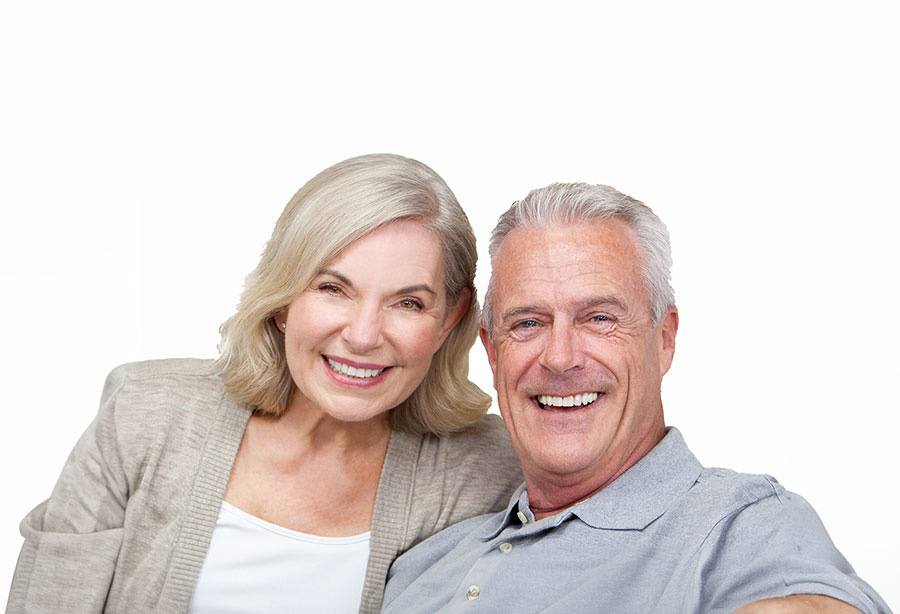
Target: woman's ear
<point x="456" y="312"/>
<point x="280" y="319"/>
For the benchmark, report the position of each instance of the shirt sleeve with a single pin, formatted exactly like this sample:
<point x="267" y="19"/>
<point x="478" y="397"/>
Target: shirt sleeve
<point x="72" y="539"/>
<point x="774" y="547"/>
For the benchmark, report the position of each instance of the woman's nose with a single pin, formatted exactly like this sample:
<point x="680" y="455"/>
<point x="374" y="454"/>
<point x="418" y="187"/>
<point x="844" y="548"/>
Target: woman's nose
<point x="363" y="330"/>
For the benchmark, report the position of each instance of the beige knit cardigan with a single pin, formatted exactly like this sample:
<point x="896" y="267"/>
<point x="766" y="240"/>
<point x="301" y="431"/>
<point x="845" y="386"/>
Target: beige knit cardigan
<point x="128" y="524"/>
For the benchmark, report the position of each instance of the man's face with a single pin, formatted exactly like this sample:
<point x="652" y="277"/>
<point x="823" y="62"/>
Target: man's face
<point x="577" y="362"/>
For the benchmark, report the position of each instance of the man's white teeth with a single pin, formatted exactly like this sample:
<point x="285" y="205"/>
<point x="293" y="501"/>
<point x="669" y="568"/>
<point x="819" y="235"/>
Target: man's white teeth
<point x="571" y="401"/>
<point x="353" y="371"/>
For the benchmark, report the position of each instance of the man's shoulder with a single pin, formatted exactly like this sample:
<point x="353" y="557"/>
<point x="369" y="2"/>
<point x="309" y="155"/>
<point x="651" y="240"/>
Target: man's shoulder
<point x="730" y="495"/>
<point x="733" y="510"/>
<point x="727" y="489"/>
<point x="719" y="493"/>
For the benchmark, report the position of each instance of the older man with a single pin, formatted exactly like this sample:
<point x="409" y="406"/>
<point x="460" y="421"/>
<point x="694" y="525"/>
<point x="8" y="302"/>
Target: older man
<point x="616" y="514"/>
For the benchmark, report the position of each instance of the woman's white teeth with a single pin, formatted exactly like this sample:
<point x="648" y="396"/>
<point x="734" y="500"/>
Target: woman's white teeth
<point x="571" y="401"/>
<point x="353" y="371"/>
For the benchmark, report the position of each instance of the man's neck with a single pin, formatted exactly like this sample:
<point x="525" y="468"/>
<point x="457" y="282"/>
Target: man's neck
<point x="549" y="494"/>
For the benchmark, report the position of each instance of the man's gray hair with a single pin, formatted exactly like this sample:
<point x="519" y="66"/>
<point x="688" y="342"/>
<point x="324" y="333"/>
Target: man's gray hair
<point x="577" y="203"/>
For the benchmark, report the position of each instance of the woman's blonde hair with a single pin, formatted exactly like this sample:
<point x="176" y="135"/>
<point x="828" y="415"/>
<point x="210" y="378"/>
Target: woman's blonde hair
<point x="334" y="209"/>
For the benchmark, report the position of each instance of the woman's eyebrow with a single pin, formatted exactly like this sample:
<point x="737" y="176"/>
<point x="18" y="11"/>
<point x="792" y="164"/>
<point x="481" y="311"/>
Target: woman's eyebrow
<point x="405" y="290"/>
<point x="342" y="278"/>
<point x="417" y="288"/>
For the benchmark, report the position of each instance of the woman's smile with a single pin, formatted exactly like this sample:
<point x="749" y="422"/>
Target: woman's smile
<point x="350" y="373"/>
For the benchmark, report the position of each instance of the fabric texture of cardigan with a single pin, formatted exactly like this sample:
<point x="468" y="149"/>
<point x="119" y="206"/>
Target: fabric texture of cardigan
<point x="129" y="521"/>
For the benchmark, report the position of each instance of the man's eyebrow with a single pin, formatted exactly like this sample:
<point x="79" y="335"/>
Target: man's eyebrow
<point x="601" y="301"/>
<point x="405" y="290"/>
<point x="515" y="312"/>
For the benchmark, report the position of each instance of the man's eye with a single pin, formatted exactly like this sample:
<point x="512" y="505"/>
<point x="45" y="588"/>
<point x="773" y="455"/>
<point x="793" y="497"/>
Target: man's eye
<point x="527" y="324"/>
<point x="601" y="320"/>
<point x="411" y="304"/>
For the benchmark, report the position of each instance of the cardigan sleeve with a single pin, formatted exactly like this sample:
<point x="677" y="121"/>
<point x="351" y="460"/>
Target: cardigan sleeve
<point x="72" y="539"/>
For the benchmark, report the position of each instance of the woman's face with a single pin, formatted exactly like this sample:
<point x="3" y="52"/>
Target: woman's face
<point x="360" y="337"/>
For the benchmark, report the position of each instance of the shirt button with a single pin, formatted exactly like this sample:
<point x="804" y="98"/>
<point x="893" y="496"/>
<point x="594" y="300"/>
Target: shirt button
<point x="472" y="593"/>
<point x="522" y="517"/>
<point x="505" y="547"/>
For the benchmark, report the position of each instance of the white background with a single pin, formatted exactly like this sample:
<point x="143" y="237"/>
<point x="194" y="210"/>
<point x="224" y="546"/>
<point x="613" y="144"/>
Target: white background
<point x="146" y="151"/>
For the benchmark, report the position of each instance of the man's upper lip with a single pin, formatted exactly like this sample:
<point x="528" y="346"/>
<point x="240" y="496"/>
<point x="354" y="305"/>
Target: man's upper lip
<point x="353" y="363"/>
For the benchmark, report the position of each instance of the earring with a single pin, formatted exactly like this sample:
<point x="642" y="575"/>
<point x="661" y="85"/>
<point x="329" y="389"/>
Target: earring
<point x="284" y="326"/>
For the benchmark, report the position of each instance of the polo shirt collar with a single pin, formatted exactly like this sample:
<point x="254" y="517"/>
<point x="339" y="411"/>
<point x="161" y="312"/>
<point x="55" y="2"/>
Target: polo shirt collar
<point x="647" y="490"/>
<point x="497" y="522"/>
<point x="634" y="500"/>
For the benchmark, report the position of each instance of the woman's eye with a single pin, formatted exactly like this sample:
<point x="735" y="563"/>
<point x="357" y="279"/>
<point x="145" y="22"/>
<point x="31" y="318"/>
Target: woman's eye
<point x="411" y="304"/>
<point x="330" y="289"/>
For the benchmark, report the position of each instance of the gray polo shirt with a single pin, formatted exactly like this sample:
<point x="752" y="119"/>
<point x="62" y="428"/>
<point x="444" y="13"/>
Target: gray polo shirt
<point x="668" y="536"/>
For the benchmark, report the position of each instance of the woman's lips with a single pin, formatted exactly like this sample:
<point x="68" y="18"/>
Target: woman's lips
<point x="351" y="373"/>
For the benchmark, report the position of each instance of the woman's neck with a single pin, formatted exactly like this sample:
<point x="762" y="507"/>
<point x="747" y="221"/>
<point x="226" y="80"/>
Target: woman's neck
<point x="296" y="470"/>
<point x="304" y="420"/>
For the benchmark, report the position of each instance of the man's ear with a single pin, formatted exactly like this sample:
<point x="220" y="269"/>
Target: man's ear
<point x="489" y="347"/>
<point x="455" y="313"/>
<point x="668" y="329"/>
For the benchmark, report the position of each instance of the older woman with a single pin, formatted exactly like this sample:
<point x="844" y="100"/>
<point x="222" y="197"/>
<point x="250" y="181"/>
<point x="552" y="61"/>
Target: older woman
<point x="337" y="428"/>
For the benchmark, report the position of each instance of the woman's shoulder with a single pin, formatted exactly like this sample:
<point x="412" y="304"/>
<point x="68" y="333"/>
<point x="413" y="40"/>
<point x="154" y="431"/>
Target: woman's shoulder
<point x="168" y="376"/>
<point x="188" y="369"/>
<point x="459" y="475"/>
<point x="487" y="437"/>
<point x="147" y="396"/>
<point x="481" y="453"/>
<point x="162" y="411"/>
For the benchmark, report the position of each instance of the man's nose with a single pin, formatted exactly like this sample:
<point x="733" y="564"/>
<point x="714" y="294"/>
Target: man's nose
<point x="363" y="330"/>
<point x="561" y="353"/>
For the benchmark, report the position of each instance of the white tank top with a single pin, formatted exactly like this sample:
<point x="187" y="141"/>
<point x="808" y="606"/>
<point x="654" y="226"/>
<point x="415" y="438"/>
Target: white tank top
<point x="255" y="566"/>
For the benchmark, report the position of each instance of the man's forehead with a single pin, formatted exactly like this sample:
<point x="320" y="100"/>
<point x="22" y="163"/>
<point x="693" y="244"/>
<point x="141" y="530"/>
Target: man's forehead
<point x="568" y="268"/>
<point x="567" y="254"/>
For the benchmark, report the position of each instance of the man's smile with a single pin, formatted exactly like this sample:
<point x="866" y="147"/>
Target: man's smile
<point x="581" y="399"/>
